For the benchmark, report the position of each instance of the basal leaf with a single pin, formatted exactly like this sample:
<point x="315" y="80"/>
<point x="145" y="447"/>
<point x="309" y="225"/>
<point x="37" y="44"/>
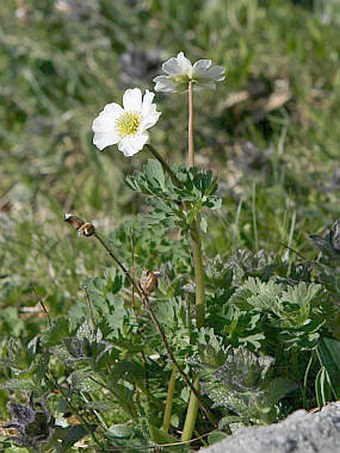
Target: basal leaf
<point x="323" y="389"/>
<point x="18" y="384"/>
<point x="74" y="434"/>
<point x="161" y="438"/>
<point x="329" y="357"/>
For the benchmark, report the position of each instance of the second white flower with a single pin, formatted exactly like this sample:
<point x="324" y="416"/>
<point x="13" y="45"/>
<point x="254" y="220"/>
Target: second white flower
<point x="180" y="71"/>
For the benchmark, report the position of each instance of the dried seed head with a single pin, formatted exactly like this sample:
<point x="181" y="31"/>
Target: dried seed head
<point x="149" y="281"/>
<point x="86" y="230"/>
<point x="83" y="228"/>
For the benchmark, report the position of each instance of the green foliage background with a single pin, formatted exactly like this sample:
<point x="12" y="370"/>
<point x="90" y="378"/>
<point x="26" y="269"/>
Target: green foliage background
<point x="278" y="173"/>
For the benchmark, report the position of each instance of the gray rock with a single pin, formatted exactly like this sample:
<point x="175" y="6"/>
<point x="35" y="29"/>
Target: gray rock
<point x="301" y="432"/>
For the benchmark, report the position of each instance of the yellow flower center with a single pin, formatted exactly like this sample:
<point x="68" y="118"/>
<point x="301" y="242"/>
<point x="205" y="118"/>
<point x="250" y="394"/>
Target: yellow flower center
<point x="128" y="123"/>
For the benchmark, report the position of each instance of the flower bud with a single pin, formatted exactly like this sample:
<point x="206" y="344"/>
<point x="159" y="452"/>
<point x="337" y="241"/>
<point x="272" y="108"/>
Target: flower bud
<point x="149" y="281"/>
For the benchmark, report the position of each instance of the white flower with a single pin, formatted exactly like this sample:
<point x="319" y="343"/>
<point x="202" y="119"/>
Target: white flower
<point x="180" y="72"/>
<point x="126" y="126"/>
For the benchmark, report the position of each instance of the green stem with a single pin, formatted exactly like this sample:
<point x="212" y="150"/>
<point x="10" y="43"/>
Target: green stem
<point x="196" y="230"/>
<point x="199" y="273"/>
<point x="190" y="420"/>
<point x="197" y="257"/>
<point x="191" y="416"/>
<point x="169" y="399"/>
<point x="256" y="238"/>
<point x="191" y="155"/>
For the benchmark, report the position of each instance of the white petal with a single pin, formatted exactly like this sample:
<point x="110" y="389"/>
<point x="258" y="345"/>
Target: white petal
<point x="172" y="66"/>
<point x="165" y="84"/>
<point x="215" y="73"/>
<point x="131" y="145"/>
<point x="147" y="102"/>
<point x="107" y="118"/>
<point x="104" y="139"/>
<point x="151" y="111"/>
<point x="184" y="62"/>
<point x="177" y="65"/>
<point x="113" y="108"/>
<point x="149" y="121"/>
<point x="201" y="65"/>
<point x="132" y="99"/>
<point x="103" y="123"/>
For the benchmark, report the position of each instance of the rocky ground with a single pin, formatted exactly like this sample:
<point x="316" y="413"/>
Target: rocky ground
<point x="301" y="432"/>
